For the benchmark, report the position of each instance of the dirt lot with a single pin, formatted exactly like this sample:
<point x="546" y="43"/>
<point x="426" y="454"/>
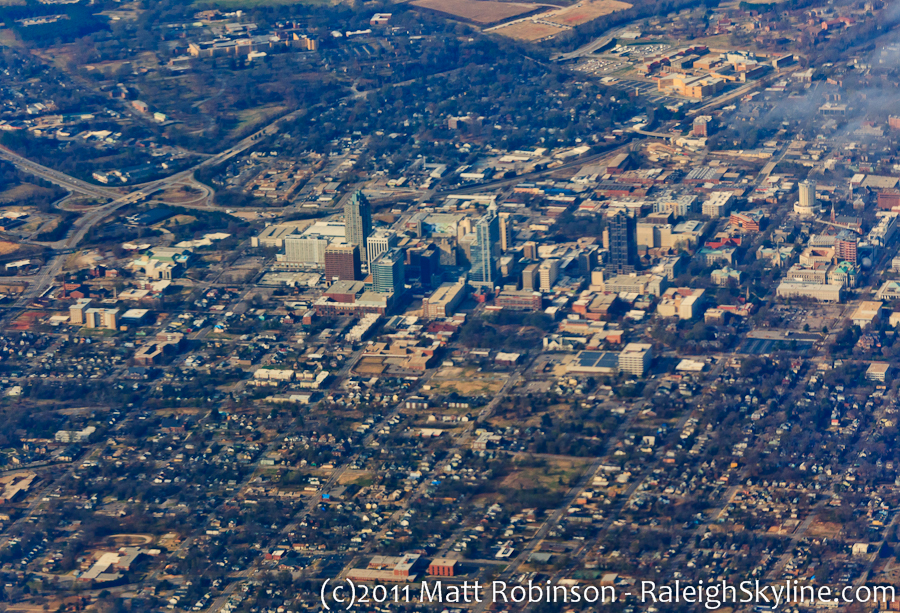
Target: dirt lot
<point x="352" y="476"/>
<point x="28" y="319"/>
<point x="571" y="16"/>
<point x="478" y="11"/>
<point x="127" y="540"/>
<point x="370" y="366"/>
<point x="529" y="31"/>
<point x="176" y="195"/>
<point x="586" y="11"/>
<point x="826" y="529"/>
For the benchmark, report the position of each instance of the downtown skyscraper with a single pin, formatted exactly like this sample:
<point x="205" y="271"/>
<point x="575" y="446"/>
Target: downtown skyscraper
<point x="358" y="221"/>
<point x="486" y="250"/>
<point x="622" y="243"/>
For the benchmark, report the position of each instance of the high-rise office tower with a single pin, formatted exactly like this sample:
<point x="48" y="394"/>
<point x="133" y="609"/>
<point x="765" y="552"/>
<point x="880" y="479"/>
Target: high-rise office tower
<point x="506" y="237"/>
<point x="342" y="262"/>
<point x="622" y="243"/>
<point x="548" y="272"/>
<point x="485" y="250"/>
<point x="377" y="243"/>
<point x="423" y="264"/>
<point x="530" y="277"/>
<point x="388" y="274"/>
<point x="358" y="220"/>
<point x="587" y="261"/>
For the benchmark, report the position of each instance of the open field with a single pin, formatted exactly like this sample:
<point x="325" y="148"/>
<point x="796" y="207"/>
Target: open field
<point x="824" y="529"/>
<point x="179" y="220"/>
<point x="176" y="195"/>
<point x="27" y="320"/>
<point x="548" y="475"/>
<point x="21" y="192"/>
<point x="584" y="12"/>
<point x="8" y="37"/>
<point x="364" y="477"/>
<point x="7" y="247"/>
<point x="478" y="11"/>
<point x="466" y="382"/>
<point x="127" y="540"/>
<point x="250" y="118"/>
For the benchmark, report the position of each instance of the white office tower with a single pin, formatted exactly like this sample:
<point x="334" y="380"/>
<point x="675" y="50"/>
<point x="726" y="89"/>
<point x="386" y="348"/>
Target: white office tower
<point x="380" y="241"/>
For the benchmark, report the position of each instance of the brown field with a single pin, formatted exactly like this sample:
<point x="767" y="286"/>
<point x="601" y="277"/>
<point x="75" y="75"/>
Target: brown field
<point x="179" y="220"/>
<point x="131" y="539"/>
<point x="6" y="247"/>
<point x="176" y="195"/>
<point x="479" y="11"/>
<point x="27" y="320"/>
<point x="250" y="118"/>
<point x="466" y="382"/>
<point x="826" y="529"/>
<point x="371" y="365"/>
<point x="529" y="31"/>
<point x="568" y="17"/>
<point x="585" y="11"/>
<point x="21" y="192"/>
<point x="352" y="476"/>
<point x="547" y="476"/>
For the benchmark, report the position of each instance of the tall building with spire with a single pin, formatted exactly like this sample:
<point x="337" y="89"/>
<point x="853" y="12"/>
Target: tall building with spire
<point x="485" y="250"/>
<point x="358" y="221"/>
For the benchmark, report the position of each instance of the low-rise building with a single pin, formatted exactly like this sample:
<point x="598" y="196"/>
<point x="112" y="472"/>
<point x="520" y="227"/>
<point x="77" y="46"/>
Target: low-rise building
<point x="519" y="300"/>
<point x="750" y="221"/>
<point x="75" y="436"/>
<point x="889" y="290"/>
<point x="866" y="313"/>
<point x="878" y="371"/>
<point x="718" y="204"/>
<point x="645" y="285"/>
<point x="827" y="292"/>
<point x="444" y="300"/>
<point x="683" y="303"/>
<point x="635" y="358"/>
<point x="723" y="276"/>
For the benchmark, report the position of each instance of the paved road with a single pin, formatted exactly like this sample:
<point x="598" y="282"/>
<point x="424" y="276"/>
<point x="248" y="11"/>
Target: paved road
<point x="61" y="179"/>
<point x="589" y="48"/>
